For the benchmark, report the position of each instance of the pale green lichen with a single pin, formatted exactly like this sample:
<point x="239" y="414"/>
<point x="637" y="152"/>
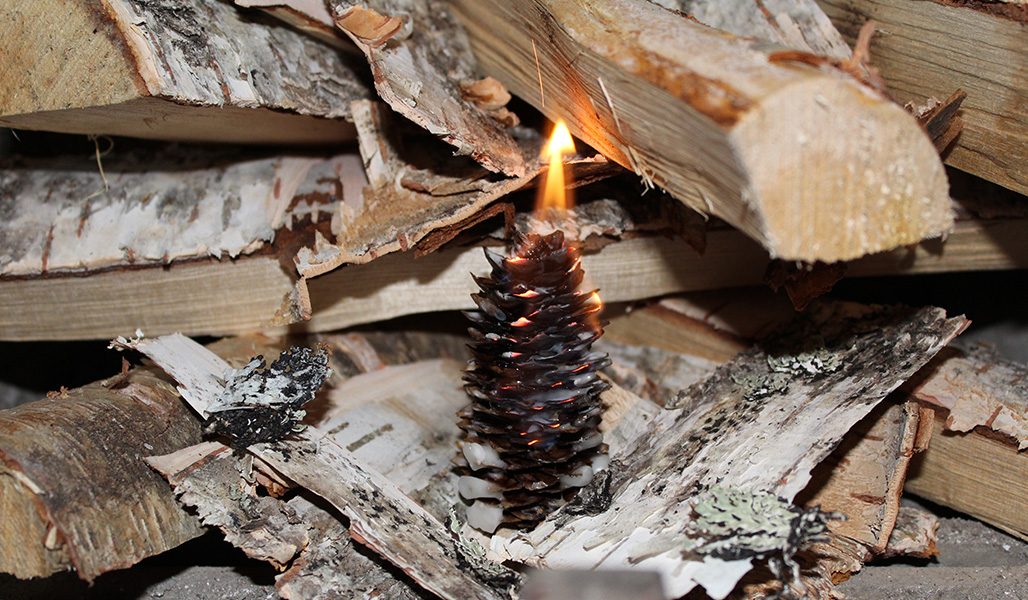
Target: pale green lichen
<point x="732" y="524"/>
<point x="815" y="361"/>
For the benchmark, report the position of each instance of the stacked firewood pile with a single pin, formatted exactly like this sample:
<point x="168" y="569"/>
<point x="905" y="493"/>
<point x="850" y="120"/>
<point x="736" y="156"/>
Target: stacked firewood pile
<point x="291" y="176"/>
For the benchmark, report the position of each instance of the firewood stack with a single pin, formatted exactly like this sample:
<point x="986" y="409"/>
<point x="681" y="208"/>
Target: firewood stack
<point x="278" y="173"/>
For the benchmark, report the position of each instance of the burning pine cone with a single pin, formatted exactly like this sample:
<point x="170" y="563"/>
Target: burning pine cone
<point x="530" y="434"/>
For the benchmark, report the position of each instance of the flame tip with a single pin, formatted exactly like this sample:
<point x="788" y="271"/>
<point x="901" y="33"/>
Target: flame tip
<point x="554" y="195"/>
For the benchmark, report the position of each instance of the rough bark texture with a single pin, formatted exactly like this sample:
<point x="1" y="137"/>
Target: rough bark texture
<point x="74" y="491"/>
<point x="808" y="396"/>
<point x="978" y="389"/>
<point x="420" y="73"/>
<point x="762" y="146"/>
<point x="415" y="189"/>
<point x="311" y="541"/>
<point x="381" y="515"/>
<point x="926" y="49"/>
<point x="309" y="16"/>
<point x="797" y="24"/>
<point x="192" y="71"/>
<point x="155" y="207"/>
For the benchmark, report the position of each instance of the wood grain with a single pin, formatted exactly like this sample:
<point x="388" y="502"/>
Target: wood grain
<point x="198" y="72"/>
<point x="241" y="296"/>
<point x="932" y="49"/>
<point x="809" y="162"/>
<point x="983" y="477"/>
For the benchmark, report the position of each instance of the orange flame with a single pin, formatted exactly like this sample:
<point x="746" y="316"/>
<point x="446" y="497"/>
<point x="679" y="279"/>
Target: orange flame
<point x="554" y="195"/>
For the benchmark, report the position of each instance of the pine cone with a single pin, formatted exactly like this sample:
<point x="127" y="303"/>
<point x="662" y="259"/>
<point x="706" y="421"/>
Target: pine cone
<point x="530" y="434"/>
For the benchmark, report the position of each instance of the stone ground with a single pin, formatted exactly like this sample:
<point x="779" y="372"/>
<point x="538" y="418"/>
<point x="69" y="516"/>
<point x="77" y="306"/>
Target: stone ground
<point x="975" y="562"/>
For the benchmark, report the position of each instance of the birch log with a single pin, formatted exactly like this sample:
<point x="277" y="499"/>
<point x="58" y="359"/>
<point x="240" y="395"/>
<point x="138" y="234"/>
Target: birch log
<point x="932" y="48"/>
<point x="200" y="71"/>
<point x="74" y="490"/>
<point x="225" y="297"/>
<point x="807" y="161"/>
<point x="138" y="208"/>
<point x="707" y="442"/>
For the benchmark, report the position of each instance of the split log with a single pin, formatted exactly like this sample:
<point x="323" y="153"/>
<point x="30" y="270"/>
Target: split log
<point x="722" y="124"/>
<point x="706" y="443"/>
<point x="135" y="209"/>
<point x="197" y="71"/>
<point x="74" y="491"/>
<point x="975" y="474"/>
<point x="925" y="50"/>
<point x="797" y="24"/>
<point x="213" y="297"/>
<point x="976" y="462"/>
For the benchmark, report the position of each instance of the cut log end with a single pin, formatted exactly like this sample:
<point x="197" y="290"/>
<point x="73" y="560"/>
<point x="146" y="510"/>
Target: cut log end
<point x="835" y="174"/>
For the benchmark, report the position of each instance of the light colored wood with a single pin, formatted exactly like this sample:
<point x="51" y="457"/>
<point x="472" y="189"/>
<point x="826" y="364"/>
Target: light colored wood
<point x="218" y="298"/>
<point x="797" y="24"/>
<point x="985" y="478"/>
<point x="241" y="296"/>
<point x="931" y="49"/>
<point x="199" y="72"/>
<point x="673" y="331"/>
<point x="863" y="478"/>
<point x="809" y="162"/>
